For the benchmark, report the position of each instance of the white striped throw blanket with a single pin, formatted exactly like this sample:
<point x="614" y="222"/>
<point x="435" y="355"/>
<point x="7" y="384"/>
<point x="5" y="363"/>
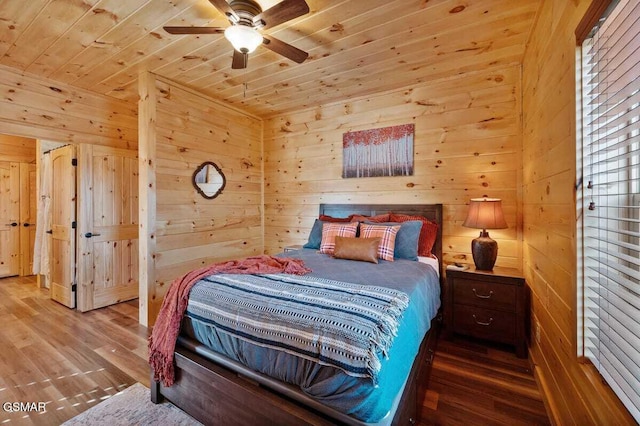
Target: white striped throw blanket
<point x="348" y="326"/>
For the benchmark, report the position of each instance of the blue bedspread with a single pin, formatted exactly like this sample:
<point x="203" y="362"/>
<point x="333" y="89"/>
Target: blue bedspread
<point x="355" y="396"/>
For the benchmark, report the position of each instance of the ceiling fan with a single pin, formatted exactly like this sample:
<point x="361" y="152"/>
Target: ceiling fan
<point x="247" y="20"/>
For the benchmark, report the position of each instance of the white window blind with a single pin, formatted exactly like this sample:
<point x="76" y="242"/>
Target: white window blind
<point x="611" y="197"/>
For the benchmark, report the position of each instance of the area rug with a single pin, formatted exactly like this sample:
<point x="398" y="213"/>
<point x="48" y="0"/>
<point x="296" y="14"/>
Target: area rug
<point x="132" y="406"/>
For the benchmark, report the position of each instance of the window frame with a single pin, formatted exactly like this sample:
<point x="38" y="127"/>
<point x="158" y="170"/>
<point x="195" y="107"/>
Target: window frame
<point x="626" y="205"/>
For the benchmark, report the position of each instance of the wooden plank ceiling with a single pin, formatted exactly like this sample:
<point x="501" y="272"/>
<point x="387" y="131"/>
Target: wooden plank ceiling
<point x="356" y="47"/>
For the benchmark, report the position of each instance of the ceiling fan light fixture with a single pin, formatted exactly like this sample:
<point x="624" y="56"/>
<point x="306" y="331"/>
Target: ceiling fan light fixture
<point x="243" y="38"/>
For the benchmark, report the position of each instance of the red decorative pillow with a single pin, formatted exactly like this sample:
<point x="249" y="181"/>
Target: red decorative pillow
<point x="428" y="233"/>
<point x="379" y="218"/>
<point x="387" y="235"/>
<point x="326" y="218"/>
<point x="332" y="230"/>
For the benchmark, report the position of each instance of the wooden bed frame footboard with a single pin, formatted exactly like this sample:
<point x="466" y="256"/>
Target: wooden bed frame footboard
<point x="216" y="395"/>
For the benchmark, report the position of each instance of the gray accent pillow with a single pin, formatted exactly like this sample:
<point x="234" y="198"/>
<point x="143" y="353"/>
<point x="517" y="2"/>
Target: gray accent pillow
<point x="315" y="236"/>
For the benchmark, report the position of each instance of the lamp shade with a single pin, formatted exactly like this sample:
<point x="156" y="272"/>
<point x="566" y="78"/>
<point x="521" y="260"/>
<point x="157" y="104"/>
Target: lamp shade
<point x="243" y="38"/>
<point x="485" y="213"/>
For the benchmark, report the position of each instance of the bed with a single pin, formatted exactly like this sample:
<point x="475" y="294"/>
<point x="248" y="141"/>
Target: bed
<point x="217" y="389"/>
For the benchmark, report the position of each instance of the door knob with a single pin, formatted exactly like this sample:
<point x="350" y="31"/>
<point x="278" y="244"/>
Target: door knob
<point x="12" y="224"/>
<point x="89" y="235"/>
<point x="26" y="225"/>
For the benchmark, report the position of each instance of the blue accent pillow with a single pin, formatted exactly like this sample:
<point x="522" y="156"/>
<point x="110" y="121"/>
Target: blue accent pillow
<point x="406" y="239"/>
<point x="315" y="236"/>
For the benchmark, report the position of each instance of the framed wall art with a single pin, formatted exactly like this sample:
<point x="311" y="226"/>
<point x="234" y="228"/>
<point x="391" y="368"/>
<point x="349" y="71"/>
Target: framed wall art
<point x="387" y="151"/>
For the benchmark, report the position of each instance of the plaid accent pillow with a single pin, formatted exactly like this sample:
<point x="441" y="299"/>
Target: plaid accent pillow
<point x="387" y="234"/>
<point x="406" y="240"/>
<point x="332" y="230"/>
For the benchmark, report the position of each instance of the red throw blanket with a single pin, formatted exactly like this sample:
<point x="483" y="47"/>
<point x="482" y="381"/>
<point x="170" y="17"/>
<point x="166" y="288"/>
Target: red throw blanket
<point x="162" y="342"/>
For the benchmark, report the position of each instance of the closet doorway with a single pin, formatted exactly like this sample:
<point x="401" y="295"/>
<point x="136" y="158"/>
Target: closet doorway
<point x="94" y="226"/>
<point x="17" y="205"/>
<point x="84" y="199"/>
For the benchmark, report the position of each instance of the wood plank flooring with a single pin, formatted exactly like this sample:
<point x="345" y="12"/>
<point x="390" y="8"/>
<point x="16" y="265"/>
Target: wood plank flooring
<point x="473" y="383"/>
<point x="68" y="360"/>
<point x="72" y="361"/>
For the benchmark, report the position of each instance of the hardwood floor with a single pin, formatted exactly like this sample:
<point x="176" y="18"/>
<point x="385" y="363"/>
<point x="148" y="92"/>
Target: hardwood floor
<point x="72" y="361"/>
<point x="476" y="384"/>
<point x="66" y="359"/>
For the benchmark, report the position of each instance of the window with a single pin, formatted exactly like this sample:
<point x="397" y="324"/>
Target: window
<point x="610" y="229"/>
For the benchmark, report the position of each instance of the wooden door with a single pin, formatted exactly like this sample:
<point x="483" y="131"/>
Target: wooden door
<point x="108" y="226"/>
<point x="9" y="218"/>
<point x="63" y="216"/>
<point x="27" y="216"/>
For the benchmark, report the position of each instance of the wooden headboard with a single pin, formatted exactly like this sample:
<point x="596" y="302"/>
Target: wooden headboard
<point x="430" y="211"/>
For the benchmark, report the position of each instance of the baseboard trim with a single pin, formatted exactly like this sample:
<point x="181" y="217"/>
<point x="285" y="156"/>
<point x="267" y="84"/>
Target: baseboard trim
<point x="541" y="380"/>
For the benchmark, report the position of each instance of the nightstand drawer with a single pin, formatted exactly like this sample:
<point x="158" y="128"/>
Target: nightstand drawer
<point x="489" y="305"/>
<point x="488" y="324"/>
<point x="485" y="294"/>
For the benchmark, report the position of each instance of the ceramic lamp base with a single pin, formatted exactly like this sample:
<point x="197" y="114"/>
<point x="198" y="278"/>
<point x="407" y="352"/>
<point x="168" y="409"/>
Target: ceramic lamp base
<point x="485" y="251"/>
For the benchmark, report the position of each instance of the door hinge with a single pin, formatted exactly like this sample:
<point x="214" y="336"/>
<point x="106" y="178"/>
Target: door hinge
<point x="74" y="287"/>
<point x="74" y="161"/>
<point x="73" y="224"/>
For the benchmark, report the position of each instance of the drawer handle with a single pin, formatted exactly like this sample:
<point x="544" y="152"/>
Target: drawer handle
<point x="483" y="296"/>
<point x="486" y="324"/>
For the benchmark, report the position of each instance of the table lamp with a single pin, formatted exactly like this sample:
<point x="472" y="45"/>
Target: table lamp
<point x="485" y="213"/>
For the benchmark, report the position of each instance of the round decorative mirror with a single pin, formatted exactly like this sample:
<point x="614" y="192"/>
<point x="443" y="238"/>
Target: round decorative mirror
<point x="209" y="180"/>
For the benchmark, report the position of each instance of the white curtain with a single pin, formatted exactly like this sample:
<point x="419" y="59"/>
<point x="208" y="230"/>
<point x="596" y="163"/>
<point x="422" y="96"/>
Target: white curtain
<point x="43" y="221"/>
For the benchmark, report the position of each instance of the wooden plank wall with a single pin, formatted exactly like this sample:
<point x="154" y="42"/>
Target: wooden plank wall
<point x="467" y="144"/>
<point x="40" y="108"/>
<point x="37" y="107"/>
<point x="18" y="149"/>
<point x="191" y="231"/>
<point x="575" y="393"/>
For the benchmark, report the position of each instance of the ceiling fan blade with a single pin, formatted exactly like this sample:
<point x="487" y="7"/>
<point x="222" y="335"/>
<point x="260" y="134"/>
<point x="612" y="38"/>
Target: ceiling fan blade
<point x="282" y="12"/>
<point x="193" y="30"/>
<point x="240" y="60"/>
<point x="225" y="8"/>
<point x="284" y="49"/>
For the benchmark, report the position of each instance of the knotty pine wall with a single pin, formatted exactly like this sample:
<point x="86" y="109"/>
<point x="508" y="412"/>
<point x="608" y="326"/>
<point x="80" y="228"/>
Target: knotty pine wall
<point x="181" y="230"/>
<point x="37" y="107"/>
<point x="575" y="392"/>
<point x="17" y="148"/>
<point x="467" y="144"/>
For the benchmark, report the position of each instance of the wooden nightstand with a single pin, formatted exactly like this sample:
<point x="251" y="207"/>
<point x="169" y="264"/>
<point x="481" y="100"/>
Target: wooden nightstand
<point x="292" y="248"/>
<point x="491" y="305"/>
